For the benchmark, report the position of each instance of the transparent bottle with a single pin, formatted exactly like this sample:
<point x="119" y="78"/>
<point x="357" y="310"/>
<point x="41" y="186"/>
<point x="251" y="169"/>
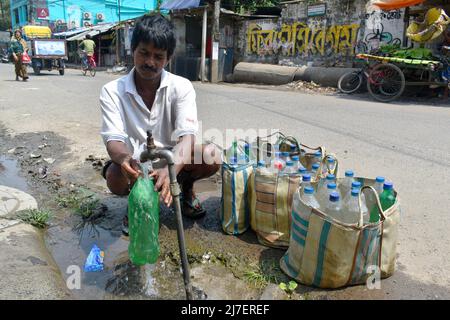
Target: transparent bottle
<point x="346" y="185"/>
<point x="309" y="198"/>
<point x="314" y="169"/>
<point x="296" y="161"/>
<point x="306" y="181"/>
<point x="289" y="169"/>
<point x="329" y="166"/>
<point x="233" y="151"/>
<point x="333" y="207"/>
<point x="302" y="171"/>
<point x="285" y="156"/>
<point x="379" y="183"/>
<point x="262" y="167"/>
<point x="322" y="189"/>
<point x="351" y="208"/>
<point x="277" y="162"/>
<point x="317" y="157"/>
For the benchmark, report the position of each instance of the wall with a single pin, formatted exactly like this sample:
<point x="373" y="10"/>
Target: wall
<point x="71" y="11"/>
<point x="329" y="40"/>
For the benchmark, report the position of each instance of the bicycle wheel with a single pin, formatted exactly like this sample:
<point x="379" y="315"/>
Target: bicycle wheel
<point x="83" y="70"/>
<point x="350" y="82"/>
<point x="386" y="82"/>
<point x="92" y="71"/>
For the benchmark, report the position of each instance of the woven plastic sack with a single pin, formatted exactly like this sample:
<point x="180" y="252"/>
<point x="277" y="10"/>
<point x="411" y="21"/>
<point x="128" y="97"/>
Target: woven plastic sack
<point x="326" y="253"/>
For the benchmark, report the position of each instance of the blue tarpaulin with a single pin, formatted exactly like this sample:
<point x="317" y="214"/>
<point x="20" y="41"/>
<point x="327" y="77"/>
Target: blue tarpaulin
<point x="180" y="4"/>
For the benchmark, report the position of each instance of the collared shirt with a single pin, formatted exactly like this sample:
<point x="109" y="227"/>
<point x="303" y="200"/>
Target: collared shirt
<point x="18" y="46"/>
<point x="88" y="46"/>
<point x="126" y="118"/>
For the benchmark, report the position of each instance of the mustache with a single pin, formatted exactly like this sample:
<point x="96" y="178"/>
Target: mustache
<point x="149" y="68"/>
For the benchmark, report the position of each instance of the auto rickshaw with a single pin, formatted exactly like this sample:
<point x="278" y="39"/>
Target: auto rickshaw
<point x="46" y="53"/>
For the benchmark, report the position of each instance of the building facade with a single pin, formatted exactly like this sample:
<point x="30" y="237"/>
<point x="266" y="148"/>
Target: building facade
<point x="61" y="15"/>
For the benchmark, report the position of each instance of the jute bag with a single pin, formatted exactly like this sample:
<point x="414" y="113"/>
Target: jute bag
<point x="326" y="253"/>
<point x="270" y="195"/>
<point x="235" y="209"/>
<point x="270" y="203"/>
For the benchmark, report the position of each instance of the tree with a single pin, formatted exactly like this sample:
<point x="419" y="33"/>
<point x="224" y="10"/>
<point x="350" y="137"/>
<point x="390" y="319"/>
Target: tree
<point x="242" y="6"/>
<point x="5" y="15"/>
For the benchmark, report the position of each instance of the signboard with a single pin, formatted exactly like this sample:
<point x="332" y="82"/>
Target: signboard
<point x="42" y="13"/>
<point x="53" y="47"/>
<point x="215" y="52"/>
<point x="315" y="10"/>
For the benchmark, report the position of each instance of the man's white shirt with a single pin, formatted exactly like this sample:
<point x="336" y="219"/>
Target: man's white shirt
<point x="126" y="118"/>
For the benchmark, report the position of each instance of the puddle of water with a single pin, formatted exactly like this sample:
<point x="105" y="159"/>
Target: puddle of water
<point x="9" y="174"/>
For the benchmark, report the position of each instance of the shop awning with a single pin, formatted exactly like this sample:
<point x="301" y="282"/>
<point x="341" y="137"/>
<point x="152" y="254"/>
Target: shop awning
<point x="180" y="4"/>
<point x="93" y="31"/>
<point x="394" y="4"/>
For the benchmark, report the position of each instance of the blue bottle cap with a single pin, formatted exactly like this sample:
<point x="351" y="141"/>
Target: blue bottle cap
<point x="309" y="190"/>
<point x="302" y="170"/>
<point x="233" y="160"/>
<point x="318" y="154"/>
<point x="355" y="192"/>
<point x="316" y="166"/>
<point x="331" y="186"/>
<point x="295" y="158"/>
<point x="289" y="163"/>
<point x="293" y="148"/>
<point x="330" y="160"/>
<point x="356" y="184"/>
<point x="380" y="179"/>
<point x="261" y="163"/>
<point x="349" y="173"/>
<point x="388" y="185"/>
<point x="246" y="146"/>
<point x="277" y="154"/>
<point x="331" y="177"/>
<point x="285" y="154"/>
<point x="334" y="197"/>
<point x="307" y="177"/>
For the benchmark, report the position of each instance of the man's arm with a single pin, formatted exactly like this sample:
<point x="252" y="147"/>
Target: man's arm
<point x="119" y="154"/>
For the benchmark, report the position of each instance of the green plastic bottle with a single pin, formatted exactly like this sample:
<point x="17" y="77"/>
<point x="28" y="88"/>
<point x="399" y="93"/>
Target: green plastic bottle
<point x="143" y="221"/>
<point x="387" y="199"/>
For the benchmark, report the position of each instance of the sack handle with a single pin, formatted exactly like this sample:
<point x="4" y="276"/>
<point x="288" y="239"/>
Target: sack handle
<point x="324" y="164"/>
<point x="378" y="204"/>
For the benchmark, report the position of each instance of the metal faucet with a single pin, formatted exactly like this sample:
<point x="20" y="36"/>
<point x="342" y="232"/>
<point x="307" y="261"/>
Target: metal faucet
<point x="152" y="153"/>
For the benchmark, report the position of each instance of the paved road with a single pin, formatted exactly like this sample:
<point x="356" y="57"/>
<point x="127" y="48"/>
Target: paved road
<point x="406" y="142"/>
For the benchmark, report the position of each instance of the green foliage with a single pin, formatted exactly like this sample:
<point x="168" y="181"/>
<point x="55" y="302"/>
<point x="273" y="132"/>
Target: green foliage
<point x="416" y="53"/>
<point x="35" y="217"/>
<point x="5" y="15"/>
<point x="288" y="288"/>
<point x="242" y="6"/>
<point x="389" y="49"/>
<point x="263" y="274"/>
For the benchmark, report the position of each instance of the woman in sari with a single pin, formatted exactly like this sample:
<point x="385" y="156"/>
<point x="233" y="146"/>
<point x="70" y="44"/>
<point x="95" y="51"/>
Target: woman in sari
<point x="18" y="47"/>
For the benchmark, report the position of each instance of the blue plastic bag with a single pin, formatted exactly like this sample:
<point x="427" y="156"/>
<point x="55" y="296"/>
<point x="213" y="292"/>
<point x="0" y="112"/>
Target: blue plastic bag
<point x="94" y="261"/>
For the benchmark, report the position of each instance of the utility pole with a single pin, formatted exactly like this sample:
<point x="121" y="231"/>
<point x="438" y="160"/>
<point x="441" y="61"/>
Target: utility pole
<point x="215" y="43"/>
<point x="118" y="37"/>
<point x="204" y="34"/>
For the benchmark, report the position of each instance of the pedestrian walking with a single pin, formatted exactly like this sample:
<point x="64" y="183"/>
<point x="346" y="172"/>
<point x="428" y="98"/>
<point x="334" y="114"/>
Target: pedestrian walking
<point x="18" y="49"/>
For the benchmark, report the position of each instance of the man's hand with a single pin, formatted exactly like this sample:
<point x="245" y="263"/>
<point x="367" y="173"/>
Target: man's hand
<point x="130" y="168"/>
<point x="15" y="57"/>
<point x="162" y="185"/>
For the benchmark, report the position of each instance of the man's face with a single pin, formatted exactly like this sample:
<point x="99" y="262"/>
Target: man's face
<point x="149" y="61"/>
<point x="18" y="35"/>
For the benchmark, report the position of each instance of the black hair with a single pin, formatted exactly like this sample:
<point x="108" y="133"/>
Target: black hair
<point x="154" y="29"/>
<point x="88" y="36"/>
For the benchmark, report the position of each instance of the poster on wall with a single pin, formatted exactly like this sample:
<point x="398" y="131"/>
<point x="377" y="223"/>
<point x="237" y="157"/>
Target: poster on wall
<point x="74" y="17"/>
<point x="316" y="10"/>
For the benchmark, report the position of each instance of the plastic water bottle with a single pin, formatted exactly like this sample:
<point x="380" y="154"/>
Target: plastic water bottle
<point x="322" y="189"/>
<point x="285" y="156"/>
<point x="330" y="164"/>
<point x="302" y="171"/>
<point x="314" y="169"/>
<point x="306" y="181"/>
<point x="289" y="169"/>
<point x="332" y="187"/>
<point x="277" y="162"/>
<point x="346" y="185"/>
<point x="233" y="151"/>
<point x="296" y="161"/>
<point x="379" y="183"/>
<point x="387" y="199"/>
<point x="351" y="210"/>
<point x="262" y="167"/>
<point x="317" y="157"/>
<point x="309" y="198"/>
<point x="333" y="207"/>
<point x="233" y="162"/>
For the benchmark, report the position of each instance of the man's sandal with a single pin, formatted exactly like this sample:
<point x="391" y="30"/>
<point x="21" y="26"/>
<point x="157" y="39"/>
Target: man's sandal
<point x="192" y="208"/>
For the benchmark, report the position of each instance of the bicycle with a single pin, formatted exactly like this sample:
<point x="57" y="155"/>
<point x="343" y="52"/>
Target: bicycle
<point x="87" y="64"/>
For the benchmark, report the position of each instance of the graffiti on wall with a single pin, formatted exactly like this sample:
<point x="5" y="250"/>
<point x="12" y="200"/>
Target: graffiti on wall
<point x="300" y="39"/>
<point x="381" y="28"/>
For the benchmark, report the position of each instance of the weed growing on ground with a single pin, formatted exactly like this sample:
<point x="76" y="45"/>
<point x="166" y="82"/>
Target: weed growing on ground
<point x="35" y="217"/>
